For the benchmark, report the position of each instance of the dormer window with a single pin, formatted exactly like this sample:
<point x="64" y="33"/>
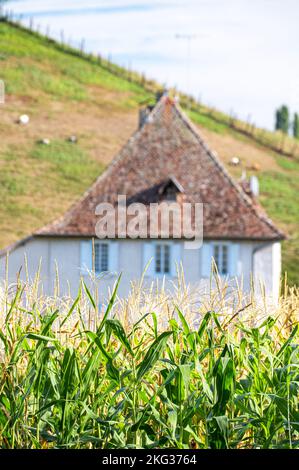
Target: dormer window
<point x="169" y="189"/>
<point x="170" y="193"/>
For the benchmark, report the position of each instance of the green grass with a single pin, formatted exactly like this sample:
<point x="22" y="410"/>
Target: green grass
<point x="288" y="164"/>
<point x="31" y="186"/>
<point x="63" y="87"/>
<point x="69" y="77"/>
<point x="72" y="378"/>
<point x="208" y="122"/>
<point x="280" y="197"/>
<point x="68" y="161"/>
<point x="11" y="185"/>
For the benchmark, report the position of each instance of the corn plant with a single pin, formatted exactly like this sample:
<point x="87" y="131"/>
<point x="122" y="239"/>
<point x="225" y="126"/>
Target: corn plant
<point x="215" y="381"/>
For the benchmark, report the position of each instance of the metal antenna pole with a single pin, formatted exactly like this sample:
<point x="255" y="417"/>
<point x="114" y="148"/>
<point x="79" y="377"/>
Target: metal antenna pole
<point x="188" y="38"/>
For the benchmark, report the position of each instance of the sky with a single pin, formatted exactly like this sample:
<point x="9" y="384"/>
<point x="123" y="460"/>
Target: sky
<point x="238" y="56"/>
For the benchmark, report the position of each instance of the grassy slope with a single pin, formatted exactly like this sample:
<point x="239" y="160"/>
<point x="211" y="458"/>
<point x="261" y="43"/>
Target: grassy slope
<point x="66" y="95"/>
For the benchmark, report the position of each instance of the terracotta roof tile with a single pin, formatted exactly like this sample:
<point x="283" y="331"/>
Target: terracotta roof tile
<point x="169" y="148"/>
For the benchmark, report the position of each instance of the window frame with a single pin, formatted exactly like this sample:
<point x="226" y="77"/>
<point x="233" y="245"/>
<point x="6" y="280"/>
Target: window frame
<point x="163" y="245"/>
<point x="97" y="245"/>
<point x="219" y="263"/>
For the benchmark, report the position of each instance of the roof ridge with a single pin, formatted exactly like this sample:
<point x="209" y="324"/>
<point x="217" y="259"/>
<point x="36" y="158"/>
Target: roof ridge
<point x="182" y="115"/>
<point x="95" y="191"/>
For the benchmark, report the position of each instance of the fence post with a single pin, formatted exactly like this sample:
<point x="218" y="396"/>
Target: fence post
<point x="2" y="92"/>
<point x="231" y="118"/>
<point x="294" y="150"/>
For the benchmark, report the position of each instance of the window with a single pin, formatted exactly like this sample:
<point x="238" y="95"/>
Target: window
<point x="221" y="258"/>
<point x="162" y="259"/>
<point x="101" y="257"/>
<point x="171" y="193"/>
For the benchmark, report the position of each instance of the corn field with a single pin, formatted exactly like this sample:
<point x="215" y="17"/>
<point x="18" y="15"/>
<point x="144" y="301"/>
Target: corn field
<point x="155" y="370"/>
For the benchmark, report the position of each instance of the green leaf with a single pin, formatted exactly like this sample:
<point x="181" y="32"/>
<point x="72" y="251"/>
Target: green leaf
<point x="185" y="371"/>
<point x="203" y="324"/>
<point x="185" y="325"/>
<point x="288" y="341"/>
<point x="153" y="354"/>
<point x="224" y="375"/>
<point x="172" y="420"/>
<point x="112" y="371"/>
<point x="219" y="432"/>
<point x="40" y="337"/>
<point x="71" y="310"/>
<point x="89" y="295"/>
<point x="110" y="305"/>
<point x="118" y="330"/>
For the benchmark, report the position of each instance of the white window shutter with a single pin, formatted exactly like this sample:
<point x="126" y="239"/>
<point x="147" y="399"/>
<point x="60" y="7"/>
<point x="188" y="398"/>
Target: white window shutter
<point x="206" y="259"/>
<point x="175" y="258"/>
<point x="148" y="253"/>
<point x="113" y="256"/>
<point x="233" y="257"/>
<point x="85" y="256"/>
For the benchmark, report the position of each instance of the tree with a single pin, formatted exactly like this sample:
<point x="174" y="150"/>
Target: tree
<point x="296" y="126"/>
<point x="282" y="119"/>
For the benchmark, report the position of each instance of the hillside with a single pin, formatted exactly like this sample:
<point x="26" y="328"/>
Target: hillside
<point x="65" y="94"/>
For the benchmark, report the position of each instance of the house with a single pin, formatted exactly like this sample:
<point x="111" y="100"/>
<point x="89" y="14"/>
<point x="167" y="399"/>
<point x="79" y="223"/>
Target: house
<point x="165" y="162"/>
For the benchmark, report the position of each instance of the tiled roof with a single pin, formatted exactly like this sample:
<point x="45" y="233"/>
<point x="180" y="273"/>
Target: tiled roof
<point x="168" y="149"/>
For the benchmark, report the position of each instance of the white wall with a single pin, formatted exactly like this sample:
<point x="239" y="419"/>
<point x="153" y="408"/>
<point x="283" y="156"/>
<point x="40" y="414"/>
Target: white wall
<point x="34" y="250"/>
<point x="47" y="252"/>
<point x="265" y="263"/>
<point x="267" y="267"/>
